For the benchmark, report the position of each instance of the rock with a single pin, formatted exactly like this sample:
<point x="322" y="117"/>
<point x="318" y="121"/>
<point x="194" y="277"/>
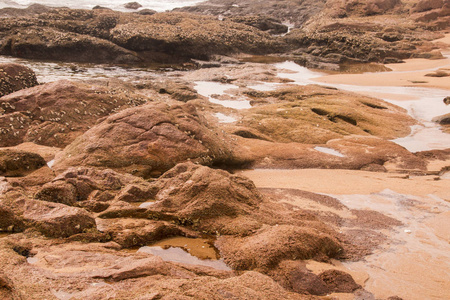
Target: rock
<point x="91" y="188"/>
<point x="181" y="36"/>
<point x="19" y="163"/>
<point x="339" y="281"/>
<point x="130" y="233"/>
<point x="14" y="77"/>
<point x="50" y="44"/>
<point x="443" y="120"/>
<point x="447" y="100"/>
<point x="299" y="114"/>
<point x="269" y="246"/>
<point x="147" y="12"/>
<point x="425" y="5"/>
<point x="148" y="140"/>
<point x="9" y="222"/>
<point x="59" y="192"/>
<point x="204" y="197"/>
<point x="55" y="219"/>
<point x="178" y="90"/>
<point x="132" y="5"/>
<point x="33" y="9"/>
<point x="6" y="288"/>
<point x="263" y="23"/>
<point x="54" y="114"/>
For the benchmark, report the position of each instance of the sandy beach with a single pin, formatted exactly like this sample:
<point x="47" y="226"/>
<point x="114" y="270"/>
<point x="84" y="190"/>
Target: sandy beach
<point x="410" y="73"/>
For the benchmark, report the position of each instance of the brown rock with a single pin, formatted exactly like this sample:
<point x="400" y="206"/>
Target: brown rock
<point x="178" y="36"/>
<point x="14" y="77"/>
<point x="202" y="196"/>
<point x="55" y="219"/>
<point x="425" y="5"/>
<point x="263" y="23"/>
<point x="19" y="163"/>
<point x="447" y="100"/>
<point x="59" y="192"/>
<point x="443" y="120"/>
<point x="54" y="114"/>
<point x="51" y="44"/>
<point x="132" y="5"/>
<point x="339" y="281"/>
<point x="149" y="140"/>
<point x="9" y="221"/>
<point x="269" y="246"/>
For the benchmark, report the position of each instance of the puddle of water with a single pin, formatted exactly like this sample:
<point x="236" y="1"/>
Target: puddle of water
<point x="188" y="251"/>
<point x="300" y="75"/>
<point x="224" y="118"/>
<point x="210" y="89"/>
<point x="329" y="151"/>
<point x="415" y="263"/>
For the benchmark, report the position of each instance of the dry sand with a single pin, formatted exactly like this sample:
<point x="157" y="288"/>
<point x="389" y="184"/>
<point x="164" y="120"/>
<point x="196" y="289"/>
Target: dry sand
<point x="410" y="73"/>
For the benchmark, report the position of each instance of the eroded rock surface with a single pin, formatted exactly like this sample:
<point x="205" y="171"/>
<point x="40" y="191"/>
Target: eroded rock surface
<point x="54" y="114"/>
<point x="14" y="77"/>
<point x="150" y="139"/>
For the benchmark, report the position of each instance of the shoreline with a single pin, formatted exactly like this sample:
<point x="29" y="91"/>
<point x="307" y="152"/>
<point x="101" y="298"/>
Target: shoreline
<point x="411" y="73"/>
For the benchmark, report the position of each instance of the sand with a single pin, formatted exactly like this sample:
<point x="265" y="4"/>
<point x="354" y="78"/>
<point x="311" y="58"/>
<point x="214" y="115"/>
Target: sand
<point x="345" y="182"/>
<point x="410" y="73"/>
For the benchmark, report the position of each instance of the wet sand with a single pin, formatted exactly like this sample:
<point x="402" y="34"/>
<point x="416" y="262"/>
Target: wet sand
<point x="410" y="73"/>
<point x="345" y="182"/>
<point x="414" y="262"/>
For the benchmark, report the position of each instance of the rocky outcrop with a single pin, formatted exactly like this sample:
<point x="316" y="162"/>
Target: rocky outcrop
<point x="19" y="163"/>
<point x="51" y="44"/>
<point x="54" y="114"/>
<point x="206" y="198"/>
<point x="263" y="23"/>
<point x="14" y="77"/>
<point x="55" y="219"/>
<point x="94" y="189"/>
<point x="314" y="114"/>
<point x="9" y="222"/>
<point x="148" y="140"/>
<point x="268" y="247"/>
<point x="180" y="36"/>
<point x="433" y="12"/>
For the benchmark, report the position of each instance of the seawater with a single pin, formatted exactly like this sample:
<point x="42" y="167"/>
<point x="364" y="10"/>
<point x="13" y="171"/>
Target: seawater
<point x="158" y="5"/>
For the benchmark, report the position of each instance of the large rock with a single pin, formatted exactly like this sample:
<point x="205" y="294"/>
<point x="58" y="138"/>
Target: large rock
<point x="149" y="140"/>
<point x="270" y="245"/>
<point x="54" y="114"/>
<point x="14" y="77"/>
<point x="94" y="188"/>
<point x="49" y="43"/>
<point x="314" y="114"/>
<point x="19" y="163"/>
<point x="55" y="219"/>
<point x="205" y="197"/>
<point x="182" y="35"/>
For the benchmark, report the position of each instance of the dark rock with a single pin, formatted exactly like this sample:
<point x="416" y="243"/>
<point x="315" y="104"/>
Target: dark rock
<point x="9" y="222"/>
<point x="443" y="120"/>
<point x="263" y="23"/>
<point x="14" y="77"/>
<point x="339" y="281"/>
<point x="147" y="12"/>
<point x="132" y="5"/>
<point x="51" y="44"/>
<point x="447" y="100"/>
<point x="19" y="163"/>
<point x="59" y="192"/>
